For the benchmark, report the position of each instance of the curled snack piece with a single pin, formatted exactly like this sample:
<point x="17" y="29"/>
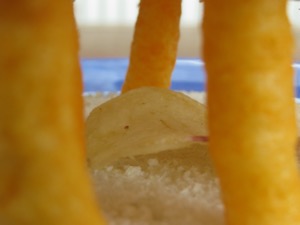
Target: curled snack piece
<point x="143" y="121"/>
<point x="42" y="165"/>
<point x="251" y="110"/>
<point x="154" y="46"/>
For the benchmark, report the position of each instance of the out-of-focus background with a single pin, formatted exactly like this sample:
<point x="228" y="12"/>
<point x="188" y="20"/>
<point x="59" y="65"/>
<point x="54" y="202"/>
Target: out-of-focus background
<point x="106" y="27"/>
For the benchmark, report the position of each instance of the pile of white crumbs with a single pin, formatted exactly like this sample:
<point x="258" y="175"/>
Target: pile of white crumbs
<point x="168" y="188"/>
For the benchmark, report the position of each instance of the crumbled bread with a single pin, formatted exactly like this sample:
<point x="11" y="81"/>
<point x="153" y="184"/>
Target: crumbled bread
<point x="163" y="188"/>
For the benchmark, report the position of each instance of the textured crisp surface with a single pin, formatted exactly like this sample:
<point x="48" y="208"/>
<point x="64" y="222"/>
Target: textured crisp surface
<point x="154" y="47"/>
<point x="43" y="177"/>
<point x="251" y="110"/>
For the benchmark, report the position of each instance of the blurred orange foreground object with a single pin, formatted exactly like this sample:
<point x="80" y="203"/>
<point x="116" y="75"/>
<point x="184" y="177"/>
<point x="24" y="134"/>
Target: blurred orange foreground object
<point x="154" y="47"/>
<point x="44" y="179"/>
<point x="248" y="55"/>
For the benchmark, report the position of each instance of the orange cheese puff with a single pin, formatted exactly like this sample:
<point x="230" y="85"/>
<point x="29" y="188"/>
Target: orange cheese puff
<point x="44" y="179"/>
<point x="154" y="46"/>
<point x="248" y="55"/>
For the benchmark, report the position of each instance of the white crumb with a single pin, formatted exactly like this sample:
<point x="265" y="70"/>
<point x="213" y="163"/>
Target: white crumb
<point x="162" y="193"/>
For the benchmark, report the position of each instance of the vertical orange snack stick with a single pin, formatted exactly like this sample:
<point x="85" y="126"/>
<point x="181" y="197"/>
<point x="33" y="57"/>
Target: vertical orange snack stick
<point x="248" y="55"/>
<point x="154" y="47"/>
<point x="44" y="179"/>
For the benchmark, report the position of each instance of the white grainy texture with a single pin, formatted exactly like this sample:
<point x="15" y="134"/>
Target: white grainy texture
<point x="171" y="194"/>
<point x="168" y="188"/>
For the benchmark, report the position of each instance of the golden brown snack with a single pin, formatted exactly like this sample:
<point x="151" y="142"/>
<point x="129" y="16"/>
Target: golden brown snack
<point x="44" y="179"/>
<point x="248" y="54"/>
<point x="154" y="46"/>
